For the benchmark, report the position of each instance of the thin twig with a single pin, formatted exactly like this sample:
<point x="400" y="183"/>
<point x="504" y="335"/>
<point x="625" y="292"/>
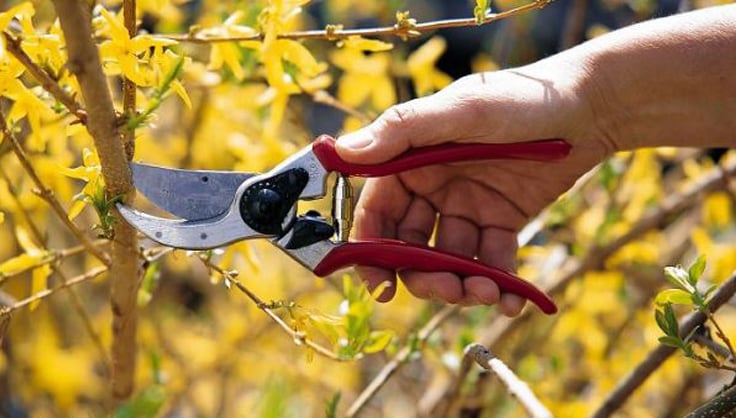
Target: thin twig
<point x="102" y="124"/>
<point x="297" y="336"/>
<point x="722" y="335"/>
<point x="656" y="357"/>
<point x="52" y="257"/>
<point x="129" y="88"/>
<point x="4" y="326"/>
<point x="48" y="83"/>
<point x="48" y="195"/>
<point x="707" y="342"/>
<point x="400" y="358"/>
<point x="48" y="292"/>
<point x="333" y="33"/>
<point x="515" y="386"/>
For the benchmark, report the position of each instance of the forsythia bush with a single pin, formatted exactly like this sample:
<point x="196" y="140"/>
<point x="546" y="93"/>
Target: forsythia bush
<point x="244" y="331"/>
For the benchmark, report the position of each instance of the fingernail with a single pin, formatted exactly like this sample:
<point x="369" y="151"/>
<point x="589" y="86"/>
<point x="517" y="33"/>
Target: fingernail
<point x="356" y="140"/>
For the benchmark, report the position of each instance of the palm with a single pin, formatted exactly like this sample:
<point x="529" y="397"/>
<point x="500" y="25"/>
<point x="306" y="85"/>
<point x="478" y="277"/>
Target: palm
<point x="474" y="208"/>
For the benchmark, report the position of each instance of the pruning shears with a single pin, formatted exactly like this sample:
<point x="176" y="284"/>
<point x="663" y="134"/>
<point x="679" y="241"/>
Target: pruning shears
<point x="217" y="208"/>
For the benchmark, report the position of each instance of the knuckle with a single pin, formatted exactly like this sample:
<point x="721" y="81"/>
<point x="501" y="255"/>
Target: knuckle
<point x="398" y="116"/>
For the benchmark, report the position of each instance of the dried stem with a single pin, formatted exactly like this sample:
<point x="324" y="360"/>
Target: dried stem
<point x="656" y="357"/>
<point x="48" y="83"/>
<point x="48" y="195"/>
<point x="402" y="31"/>
<point x="102" y="124"/>
<point x="400" y="358"/>
<point x="129" y="88"/>
<point x="297" y="336"/>
<point x="515" y="386"/>
<point x="48" y="292"/>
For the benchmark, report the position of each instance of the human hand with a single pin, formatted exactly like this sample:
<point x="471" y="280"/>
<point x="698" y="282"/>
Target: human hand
<point x="477" y="208"/>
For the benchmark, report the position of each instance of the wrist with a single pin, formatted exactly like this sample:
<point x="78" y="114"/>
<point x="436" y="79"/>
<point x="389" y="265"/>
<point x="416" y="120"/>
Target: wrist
<point x="665" y="82"/>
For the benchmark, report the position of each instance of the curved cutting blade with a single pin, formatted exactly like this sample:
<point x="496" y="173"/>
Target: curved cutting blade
<point x="187" y="234"/>
<point x="188" y="194"/>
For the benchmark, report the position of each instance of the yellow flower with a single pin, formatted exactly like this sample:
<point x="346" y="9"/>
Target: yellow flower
<point x="273" y="52"/>
<point x="25" y="103"/>
<point x="122" y="54"/>
<point x="363" y="44"/>
<point x="721" y="255"/>
<point x="228" y="53"/>
<point x="421" y="64"/>
<point x="32" y="257"/>
<point x="20" y="11"/>
<point x="164" y="62"/>
<point x="366" y="78"/>
<point x="717" y="211"/>
<point x="90" y="173"/>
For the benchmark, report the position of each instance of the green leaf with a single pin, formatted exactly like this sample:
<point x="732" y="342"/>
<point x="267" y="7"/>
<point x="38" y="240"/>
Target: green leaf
<point x="671" y="341"/>
<point x="679" y="277"/>
<point x="676" y="296"/>
<point x="331" y="406"/>
<point x="673" y="327"/>
<point x="377" y="341"/>
<point x="480" y="11"/>
<point x="145" y="405"/>
<point x="696" y="270"/>
<point x="661" y="320"/>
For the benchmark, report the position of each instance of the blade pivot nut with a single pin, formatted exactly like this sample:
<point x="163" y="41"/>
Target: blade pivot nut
<point x="265" y="204"/>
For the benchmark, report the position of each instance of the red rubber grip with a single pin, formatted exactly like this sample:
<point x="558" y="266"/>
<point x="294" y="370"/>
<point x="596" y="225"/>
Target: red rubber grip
<point x="399" y="255"/>
<point x="543" y="150"/>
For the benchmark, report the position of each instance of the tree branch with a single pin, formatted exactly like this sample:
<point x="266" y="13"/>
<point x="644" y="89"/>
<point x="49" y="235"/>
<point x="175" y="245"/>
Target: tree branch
<point x="656" y="357"/>
<point x="515" y="386"/>
<point x="102" y="124"/>
<point x="48" y="195"/>
<point x="52" y="258"/>
<point x="399" y="30"/>
<point x="129" y="88"/>
<point x="297" y="336"/>
<point x="719" y="406"/>
<point x="13" y="46"/>
<point x="48" y="292"/>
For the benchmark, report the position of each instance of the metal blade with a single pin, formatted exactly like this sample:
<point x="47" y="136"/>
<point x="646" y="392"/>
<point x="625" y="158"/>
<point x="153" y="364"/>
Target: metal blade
<point x="187" y="234"/>
<point x="188" y="194"/>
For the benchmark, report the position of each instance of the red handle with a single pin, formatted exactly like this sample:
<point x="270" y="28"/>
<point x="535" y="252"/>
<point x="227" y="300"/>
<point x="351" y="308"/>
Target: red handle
<point x="543" y="150"/>
<point x="399" y="255"/>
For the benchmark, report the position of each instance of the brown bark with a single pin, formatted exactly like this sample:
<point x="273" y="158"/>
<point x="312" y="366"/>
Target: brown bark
<point x="102" y="124"/>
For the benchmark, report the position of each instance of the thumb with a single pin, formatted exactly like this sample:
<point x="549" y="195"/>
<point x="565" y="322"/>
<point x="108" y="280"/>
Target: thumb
<point x="415" y="123"/>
